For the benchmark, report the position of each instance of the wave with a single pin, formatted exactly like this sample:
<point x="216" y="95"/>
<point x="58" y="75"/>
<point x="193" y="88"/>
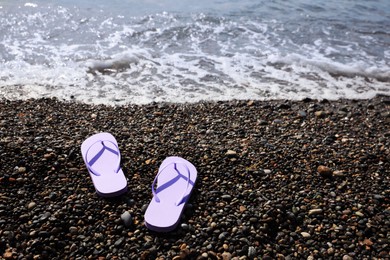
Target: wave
<point x="337" y="69"/>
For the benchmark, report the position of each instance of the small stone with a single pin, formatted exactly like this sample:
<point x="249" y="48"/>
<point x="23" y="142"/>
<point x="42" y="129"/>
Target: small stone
<point x="119" y="242"/>
<point x="73" y="247"/>
<point x="223" y="235"/>
<point x="8" y="255"/>
<point x="183" y="246"/>
<point x="226" y="197"/>
<point x="378" y="197"/>
<point x="330" y="251"/>
<point x="31" y="205"/>
<point x="338" y="173"/>
<point x="302" y="113"/>
<point x="324" y="171"/>
<point x="347" y="257"/>
<point x="73" y="230"/>
<point x="267" y="171"/>
<point x="305" y="234"/>
<point x="320" y="114"/>
<point x="185" y="226"/>
<point x="22" y="169"/>
<point x="251" y="252"/>
<point x="45" y="215"/>
<point x="263" y="122"/>
<point x="231" y="153"/>
<point x="315" y="211"/>
<point x="126" y="218"/>
<point x="47" y="155"/>
<point x="242" y="208"/>
<point x="358" y="213"/>
<point x="226" y="256"/>
<point x="225" y="247"/>
<point x="93" y="116"/>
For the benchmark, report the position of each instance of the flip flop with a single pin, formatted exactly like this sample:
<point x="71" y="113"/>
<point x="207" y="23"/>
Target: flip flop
<point x="102" y="158"/>
<point x="176" y="178"/>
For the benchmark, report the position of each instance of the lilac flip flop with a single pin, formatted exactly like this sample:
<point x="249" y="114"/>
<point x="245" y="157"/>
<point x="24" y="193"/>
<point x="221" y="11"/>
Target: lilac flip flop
<point x="102" y="158"/>
<point x="176" y="178"/>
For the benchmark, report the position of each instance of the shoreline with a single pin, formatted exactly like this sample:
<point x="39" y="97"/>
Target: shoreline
<point x="260" y="193"/>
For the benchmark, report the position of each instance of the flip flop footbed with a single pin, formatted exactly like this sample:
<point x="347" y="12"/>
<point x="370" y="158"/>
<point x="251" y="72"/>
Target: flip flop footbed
<point x="173" y="191"/>
<point x="101" y="154"/>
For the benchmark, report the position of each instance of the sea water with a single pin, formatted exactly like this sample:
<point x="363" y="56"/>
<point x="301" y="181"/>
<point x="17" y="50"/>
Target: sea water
<point x="141" y="51"/>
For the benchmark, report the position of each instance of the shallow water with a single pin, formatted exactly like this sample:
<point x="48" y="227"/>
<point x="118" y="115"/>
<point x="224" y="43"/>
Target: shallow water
<point x="116" y="52"/>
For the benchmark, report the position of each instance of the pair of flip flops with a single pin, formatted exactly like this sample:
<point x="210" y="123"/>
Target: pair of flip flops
<point x="175" y="180"/>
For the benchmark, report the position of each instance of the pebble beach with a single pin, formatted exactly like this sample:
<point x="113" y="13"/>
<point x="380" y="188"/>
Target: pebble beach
<point x="277" y="179"/>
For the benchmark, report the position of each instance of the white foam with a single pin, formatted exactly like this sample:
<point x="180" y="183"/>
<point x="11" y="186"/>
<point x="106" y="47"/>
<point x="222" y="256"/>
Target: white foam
<point x="30" y="5"/>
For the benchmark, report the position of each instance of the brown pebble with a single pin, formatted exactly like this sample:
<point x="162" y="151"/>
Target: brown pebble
<point x="225" y="247"/>
<point x="8" y="255"/>
<point x="231" y="153"/>
<point x="242" y="208"/>
<point x="21" y="169"/>
<point x="226" y="256"/>
<point x="320" y="114"/>
<point x="183" y="246"/>
<point x="338" y="174"/>
<point x="324" y="171"/>
<point x="47" y="156"/>
<point x="315" y="211"/>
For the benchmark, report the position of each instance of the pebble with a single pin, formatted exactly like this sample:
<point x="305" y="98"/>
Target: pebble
<point x="226" y="256"/>
<point x="302" y="113"/>
<point x="226" y="197"/>
<point x="324" y="171"/>
<point x="119" y="242"/>
<point x="31" y="205"/>
<point x="22" y="169"/>
<point x="231" y="153"/>
<point x="251" y="252"/>
<point x="338" y="173"/>
<point x="315" y="211"/>
<point x="73" y="230"/>
<point x="185" y="226"/>
<point x="126" y="218"/>
<point x="267" y="171"/>
<point x="320" y="114"/>
<point x="8" y="255"/>
<point x="285" y="212"/>
<point x="358" y="213"/>
<point x="223" y="235"/>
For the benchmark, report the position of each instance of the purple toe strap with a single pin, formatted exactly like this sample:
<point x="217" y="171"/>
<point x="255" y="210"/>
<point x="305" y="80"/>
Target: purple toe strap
<point x="169" y="183"/>
<point x="95" y="158"/>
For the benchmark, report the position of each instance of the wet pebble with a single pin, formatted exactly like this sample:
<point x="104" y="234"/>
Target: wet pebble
<point x="259" y="194"/>
<point x="324" y="171"/>
<point x="126" y="218"/>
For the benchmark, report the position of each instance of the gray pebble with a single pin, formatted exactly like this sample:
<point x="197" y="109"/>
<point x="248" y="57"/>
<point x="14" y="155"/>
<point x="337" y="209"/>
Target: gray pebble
<point x="126" y="218"/>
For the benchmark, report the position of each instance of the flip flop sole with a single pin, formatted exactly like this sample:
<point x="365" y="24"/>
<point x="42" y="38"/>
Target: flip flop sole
<point x="109" y="183"/>
<point x="164" y="215"/>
